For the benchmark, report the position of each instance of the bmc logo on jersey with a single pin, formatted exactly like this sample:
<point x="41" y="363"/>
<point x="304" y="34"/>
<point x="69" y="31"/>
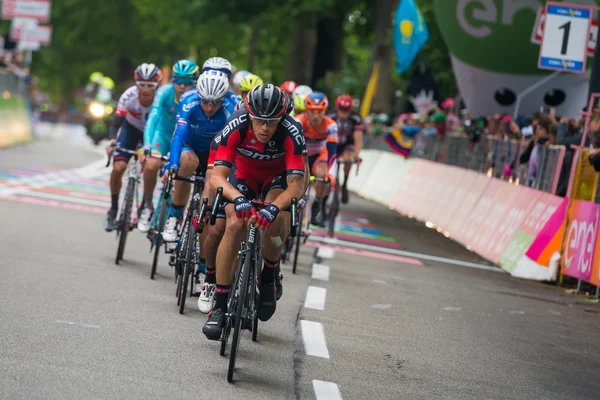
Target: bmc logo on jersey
<point x="298" y="137"/>
<point x="231" y="125"/>
<point x="259" y="156"/>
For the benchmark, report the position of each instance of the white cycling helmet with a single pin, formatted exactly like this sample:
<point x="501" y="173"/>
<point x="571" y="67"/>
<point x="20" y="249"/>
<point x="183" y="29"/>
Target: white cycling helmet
<point x="302" y="90"/>
<point x="212" y="85"/>
<point x="238" y="76"/>
<point x="147" y="73"/>
<point x="218" y="64"/>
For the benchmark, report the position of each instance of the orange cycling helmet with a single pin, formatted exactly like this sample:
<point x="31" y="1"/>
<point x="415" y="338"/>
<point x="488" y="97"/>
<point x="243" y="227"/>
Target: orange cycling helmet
<point x="344" y="103"/>
<point x="288" y="86"/>
<point x="316" y="101"/>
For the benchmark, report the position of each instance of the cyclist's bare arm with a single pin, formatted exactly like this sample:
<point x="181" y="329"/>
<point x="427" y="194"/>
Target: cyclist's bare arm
<point x="295" y="189"/>
<point x="219" y="179"/>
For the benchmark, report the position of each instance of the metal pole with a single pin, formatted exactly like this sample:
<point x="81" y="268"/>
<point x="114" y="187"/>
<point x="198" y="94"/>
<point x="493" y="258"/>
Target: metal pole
<point x="531" y="88"/>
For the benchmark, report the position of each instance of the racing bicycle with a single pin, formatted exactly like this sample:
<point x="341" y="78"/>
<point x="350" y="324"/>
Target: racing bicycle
<point x="242" y="303"/>
<point x="129" y="207"/>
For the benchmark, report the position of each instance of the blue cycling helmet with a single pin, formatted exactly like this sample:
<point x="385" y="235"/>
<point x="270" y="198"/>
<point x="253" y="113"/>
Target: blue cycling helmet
<point x="186" y="69"/>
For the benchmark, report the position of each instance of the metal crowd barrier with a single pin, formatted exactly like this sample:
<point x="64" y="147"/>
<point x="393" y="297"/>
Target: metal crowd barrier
<point x="494" y="157"/>
<point x="11" y="84"/>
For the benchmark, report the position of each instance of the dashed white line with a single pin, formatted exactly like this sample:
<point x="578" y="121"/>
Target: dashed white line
<point x="320" y="272"/>
<point x="313" y="336"/>
<point x="379" y="282"/>
<point x="451" y="308"/>
<point x="326" y="252"/>
<point x="381" y="306"/>
<point x="326" y="390"/>
<point x="315" y="298"/>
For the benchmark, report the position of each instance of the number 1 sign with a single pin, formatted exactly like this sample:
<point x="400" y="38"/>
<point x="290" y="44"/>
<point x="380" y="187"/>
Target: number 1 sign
<point x="566" y="32"/>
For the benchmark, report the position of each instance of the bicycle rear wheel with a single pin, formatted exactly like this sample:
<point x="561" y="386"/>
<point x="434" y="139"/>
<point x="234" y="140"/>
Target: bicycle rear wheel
<point x="125" y="220"/>
<point x="187" y="266"/>
<point x="297" y="240"/>
<point x="237" y="323"/>
<point x="160" y="225"/>
<point x="335" y="207"/>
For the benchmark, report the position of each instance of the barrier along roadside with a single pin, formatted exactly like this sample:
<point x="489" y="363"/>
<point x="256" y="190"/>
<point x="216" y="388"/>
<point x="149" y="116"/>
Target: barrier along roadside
<point x="516" y="227"/>
<point x="15" y="115"/>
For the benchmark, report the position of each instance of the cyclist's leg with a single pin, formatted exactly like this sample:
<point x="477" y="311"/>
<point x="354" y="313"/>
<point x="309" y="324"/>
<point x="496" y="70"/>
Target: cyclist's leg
<point x="206" y="301"/>
<point x="181" y="193"/>
<point x="128" y="139"/>
<point x="161" y="146"/>
<point x="348" y="155"/>
<point x="226" y="261"/>
<point x="151" y="170"/>
<point x="274" y="237"/>
<point x="319" y="170"/>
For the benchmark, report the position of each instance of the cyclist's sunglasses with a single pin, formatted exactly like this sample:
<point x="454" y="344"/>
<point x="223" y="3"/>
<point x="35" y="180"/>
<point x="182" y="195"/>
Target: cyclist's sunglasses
<point x="184" y="81"/>
<point x="146" y="85"/>
<point x="268" y="121"/>
<point x="211" y="102"/>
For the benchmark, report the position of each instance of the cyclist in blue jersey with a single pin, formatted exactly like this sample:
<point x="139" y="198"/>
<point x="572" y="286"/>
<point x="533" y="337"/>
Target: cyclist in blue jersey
<point x="223" y="65"/>
<point x="158" y="131"/>
<point x="202" y="115"/>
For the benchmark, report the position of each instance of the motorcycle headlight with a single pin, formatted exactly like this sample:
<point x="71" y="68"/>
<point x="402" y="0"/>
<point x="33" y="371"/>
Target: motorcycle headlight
<point x="97" y="110"/>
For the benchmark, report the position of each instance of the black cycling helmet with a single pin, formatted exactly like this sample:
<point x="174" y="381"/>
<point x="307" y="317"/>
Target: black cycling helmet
<point x="266" y="101"/>
<point x="290" y="106"/>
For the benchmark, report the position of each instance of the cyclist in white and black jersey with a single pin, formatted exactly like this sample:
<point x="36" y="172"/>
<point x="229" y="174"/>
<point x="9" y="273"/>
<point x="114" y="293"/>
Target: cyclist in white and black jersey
<point x="128" y="122"/>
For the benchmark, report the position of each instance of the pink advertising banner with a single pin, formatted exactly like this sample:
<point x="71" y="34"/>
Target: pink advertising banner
<point x="540" y="214"/>
<point x="493" y="206"/>
<point x="451" y="192"/>
<point x="463" y="221"/>
<point x="580" y="240"/>
<point x="523" y="201"/>
<point x="409" y="190"/>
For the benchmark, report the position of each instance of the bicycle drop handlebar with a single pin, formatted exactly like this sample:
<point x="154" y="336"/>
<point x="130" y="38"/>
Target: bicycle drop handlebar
<point x="293" y="209"/>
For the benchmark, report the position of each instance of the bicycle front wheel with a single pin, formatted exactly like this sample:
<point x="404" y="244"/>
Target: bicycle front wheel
<point x="125" y="219"/>
<point x="187" y="266"/>
<point x="297" y="240"/>
<point x="160" y="225"/>
<point x="241" y="286"/>
<point x="333" y="212"/>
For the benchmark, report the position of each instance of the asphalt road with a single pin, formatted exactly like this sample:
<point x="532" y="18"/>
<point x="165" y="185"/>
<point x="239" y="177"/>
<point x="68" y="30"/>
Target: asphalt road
<point x="373" y="325"/>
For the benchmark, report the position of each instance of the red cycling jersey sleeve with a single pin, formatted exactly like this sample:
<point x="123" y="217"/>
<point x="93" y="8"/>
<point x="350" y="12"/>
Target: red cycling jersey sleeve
<point x="294" y="157"/>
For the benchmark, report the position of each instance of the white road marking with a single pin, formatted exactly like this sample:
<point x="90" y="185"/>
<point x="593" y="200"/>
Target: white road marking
<point x="403" y="253"/>
<point x="313" y="336"/>
<point x="315" y="298"/>
<point x="381" y="306"/>
<point x="514" y="312"/>
<point x="379" y="282"/>
<point x="320" y="272"/>
<point x="60" y="321"/>
<point x="326" y="252"/>
<point x="451" y="308"/>
<point x="326" y="390"/>
<point x="554" y="312"/>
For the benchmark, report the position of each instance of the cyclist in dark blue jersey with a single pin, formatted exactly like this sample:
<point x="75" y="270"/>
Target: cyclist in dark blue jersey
<point x="202" y="114"/>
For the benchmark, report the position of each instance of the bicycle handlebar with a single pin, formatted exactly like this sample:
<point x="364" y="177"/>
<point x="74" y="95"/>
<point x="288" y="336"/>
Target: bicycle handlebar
<point x="255" y="203"/>
<point x="120" y="149"/>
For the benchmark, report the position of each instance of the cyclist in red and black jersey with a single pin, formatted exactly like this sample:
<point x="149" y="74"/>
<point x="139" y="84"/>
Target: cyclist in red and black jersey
<point x="350" y="135"/>
<point x="261" y="156"/>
